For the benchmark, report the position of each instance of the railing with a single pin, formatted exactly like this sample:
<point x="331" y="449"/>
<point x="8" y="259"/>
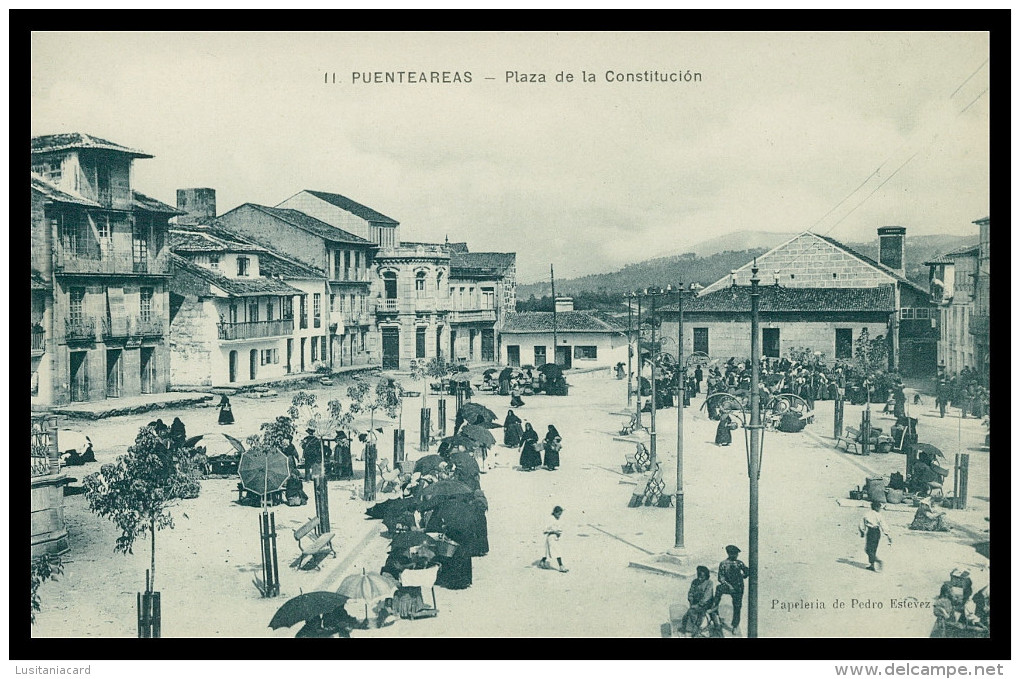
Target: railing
<point x="38" y="340"/>
<point x="388" y="305"/>
<point x="256" y="329"/>
<point x="110" y="262"/>
<point x="473" y="315"/>
<point x="80" y="329"/>
<point x="132" y="326"/>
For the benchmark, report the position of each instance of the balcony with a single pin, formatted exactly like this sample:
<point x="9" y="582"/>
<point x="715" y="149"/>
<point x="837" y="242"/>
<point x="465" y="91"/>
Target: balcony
<point x="110" y="262"/>
<point x="350" y="276"/>
<point x="131" y="326"/>
<point x="473" y="316"/>
<point x="80" y="329"/>
<point x="979" y="325"/>
<point x="357" y="318"/>
<point x="388" y="306"/>
<point x="256" y="329"/>
<point x="38" y="340"/>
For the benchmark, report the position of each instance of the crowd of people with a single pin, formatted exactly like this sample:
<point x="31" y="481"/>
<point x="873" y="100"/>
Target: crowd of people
<point x="965" y="391"/>
<point x="525" y="439"/>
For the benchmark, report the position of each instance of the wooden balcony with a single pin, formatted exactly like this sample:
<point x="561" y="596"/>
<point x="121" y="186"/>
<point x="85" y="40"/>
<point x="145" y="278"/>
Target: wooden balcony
<point x="38" y="341"/>
<point x="110" y="262"/>
<point x="256" y="329"/>
<point x="131" y="326"/>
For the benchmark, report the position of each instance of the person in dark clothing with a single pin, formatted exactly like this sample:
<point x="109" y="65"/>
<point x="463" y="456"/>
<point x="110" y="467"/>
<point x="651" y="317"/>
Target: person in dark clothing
<point x="178" y="434"/>
<point x="504" y="381"/>
<point x="553" y="444"/>
<point x="516" y="401"/>
<point x="75" y="459"/>
<point x="698" y="376"/>
<point x="226" y="413"/>
<point x="732" y="573"/>
<point x="531" y="458"/>
<point x="723" y="432"/>
<point x="899" y="401"/>
<point x="512" y="430"/>
<point x="311" y="448"/>
<point x="294" y="491"/>
<point x="345" y="465"/>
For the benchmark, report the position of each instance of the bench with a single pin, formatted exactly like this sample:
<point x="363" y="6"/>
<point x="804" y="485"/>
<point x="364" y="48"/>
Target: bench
<point x="316" y="544"/>
<point x="655" y="487"/>
<point x="849" y="438"/>
<point x="637" y="461"/>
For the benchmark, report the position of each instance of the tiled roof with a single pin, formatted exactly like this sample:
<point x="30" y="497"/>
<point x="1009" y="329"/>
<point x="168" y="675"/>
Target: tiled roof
<point x="204" y="239"/>
<point x="51" y="192"/>
<point x="142" y="202"/>
<point x="355" y="208"/>
<point x="311" y="224"/>
<point x="271" y="264"/>
<point x="457" y="247"/>
<point x="779" y="299"/>
<point x="948" y="258"/>
<point x="566" y="321"/>
<point x="79" y="140"/>
<point x="482" y="260"/>
<point x="869" y="260"/>
<point x="236" y="287"/>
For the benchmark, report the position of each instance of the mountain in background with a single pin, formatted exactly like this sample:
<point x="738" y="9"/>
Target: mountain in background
<point x="706" y="266"/>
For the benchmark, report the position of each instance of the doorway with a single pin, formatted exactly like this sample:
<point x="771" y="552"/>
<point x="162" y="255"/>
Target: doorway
<point x="114" y="373"/>
<point x="513" y="355"/>
<point x="391" y="348"/>
<point x="79" y="375"/>
<point x="304" y="341"/>
<point x="770" y="342"/>
<point x="564" y="356"/>
<point x="148" y="374"/>
<point x="290" y="355"/>
<point x="453" y="346"/>
<point x="253" y="363"/>
<point x="489" y="345"/>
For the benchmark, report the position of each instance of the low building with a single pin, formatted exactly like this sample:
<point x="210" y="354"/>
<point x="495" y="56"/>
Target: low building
<point x="583" y="339"/>
<point x="240" y="312"/>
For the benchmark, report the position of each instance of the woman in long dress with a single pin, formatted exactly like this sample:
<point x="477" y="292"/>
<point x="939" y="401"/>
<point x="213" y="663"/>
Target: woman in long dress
<point x="553" y="443"/>
<point x="723" y="435"/>
<point x="226" y="413"/>
<point x="515" y="400"/>
<point x="512" y="430"/>
<point x="531" y="458"/>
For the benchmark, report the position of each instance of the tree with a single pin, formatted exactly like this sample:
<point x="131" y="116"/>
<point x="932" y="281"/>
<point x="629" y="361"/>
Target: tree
<point x="279" y="433"/>
<point x="389" y="397"/>
<point x="45" y="567"/>
<point x="871" y="355"/>
<point x="137" y="491"/>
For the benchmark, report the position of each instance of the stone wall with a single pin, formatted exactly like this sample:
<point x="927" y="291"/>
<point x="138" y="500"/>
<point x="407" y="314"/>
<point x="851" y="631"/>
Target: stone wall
<point x="275" y="234"/>
<point x="192" y="341"/>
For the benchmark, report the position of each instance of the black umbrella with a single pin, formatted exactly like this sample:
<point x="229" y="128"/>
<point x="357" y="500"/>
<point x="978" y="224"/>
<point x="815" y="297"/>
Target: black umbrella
<point x="479" y="434"/>
<point x="409" y="539"/>
<point x="473" y="413"/>
<point x="490" y="371"/>
<point x="428" y="464"/>
<point x="929" y="448"/>
<point x="445" y="488"/>
<point x="306" y="607"/>
<point x="458" y="440"/>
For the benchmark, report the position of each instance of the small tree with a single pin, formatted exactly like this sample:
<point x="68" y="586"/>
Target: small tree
<point x="389" y="398"/>
<point x="871" y="355"/>
<point x="279" y="433"/>
<point x="45" y="567"/>
<point x="138" y="490"/>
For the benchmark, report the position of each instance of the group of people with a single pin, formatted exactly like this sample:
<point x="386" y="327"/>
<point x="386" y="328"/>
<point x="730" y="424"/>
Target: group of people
<point x="966" y="391"/>
<point x="959" y="610"/>
<point x="702" y="617"/>
<point x="526" y="440"/>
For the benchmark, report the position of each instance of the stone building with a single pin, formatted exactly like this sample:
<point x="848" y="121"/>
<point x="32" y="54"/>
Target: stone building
<point x="583" y="339"/>
<point x="346" y="260"/>
<point x="100" y="271"/>
<point x="240" y="312"/>
<point x="818" y="294"/>
<point x="979" y="324"/>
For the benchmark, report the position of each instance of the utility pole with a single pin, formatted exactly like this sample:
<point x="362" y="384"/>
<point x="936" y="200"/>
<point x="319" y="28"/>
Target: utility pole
<point x="637" y="408"/>
<point x="754" y="461"/>
<point x="630" y="351"/>
<point x="655" y="402"/>
<point x="682" y="398"/>
<point x="552" y="278"/>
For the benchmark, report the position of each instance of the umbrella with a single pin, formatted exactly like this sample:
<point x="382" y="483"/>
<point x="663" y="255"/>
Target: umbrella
<point x="305" y="607"/>
<point x="216" y="444"/>
<point x="466" y="464"/>
<point x="72" y="440"/>
<point x="551" y="370"/>
<point x="473" y="412"/>
<point x="409" y="539"/>
<point x="928" y="448"/>
<point x="263" y="473"/>
<point x="458" y="440"/>
<point x="428" y="464"/>
<point x="490" y="371"/>
<point x="479" y="434"/>
<point x="367" y="587"/>
<point x="445" y="488"/>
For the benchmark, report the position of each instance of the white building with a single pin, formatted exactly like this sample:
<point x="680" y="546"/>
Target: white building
<point x="583" y="339"/>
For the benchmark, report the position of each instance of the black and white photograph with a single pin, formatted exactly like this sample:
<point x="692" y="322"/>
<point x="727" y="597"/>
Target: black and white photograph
<point x="395" y="335"/>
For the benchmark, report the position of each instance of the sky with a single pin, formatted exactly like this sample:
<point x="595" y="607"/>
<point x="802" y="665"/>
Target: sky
<point x="838" y="133"/>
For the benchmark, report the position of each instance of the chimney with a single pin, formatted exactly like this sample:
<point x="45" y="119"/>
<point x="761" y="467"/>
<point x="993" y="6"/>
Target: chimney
<point x="200" y="204"/>
<point x="564" y="304"/>
<point x="891" y="241"/>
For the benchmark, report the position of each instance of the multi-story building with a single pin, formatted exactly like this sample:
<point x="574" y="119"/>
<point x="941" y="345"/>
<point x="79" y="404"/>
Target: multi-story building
<point x="818" y="294"/>
<point x="240" y="312"/>
<point x="483" y="290"/>
<point x="979" y="325"/>
<point x="345" y="260"/>
<point x="951" y="277"/>
<point x="100" y="270"/>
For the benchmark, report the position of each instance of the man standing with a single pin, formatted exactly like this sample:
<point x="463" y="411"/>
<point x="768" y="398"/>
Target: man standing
<point x="942" y="397"/>
<point x="553" y="532"/>
<point x="732" y="573"/>
<point x="872" y="528"/>
<point x="698" y="376"/>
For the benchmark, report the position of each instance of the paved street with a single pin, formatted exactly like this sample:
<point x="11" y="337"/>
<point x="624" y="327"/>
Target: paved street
<point x="810" y="551"/>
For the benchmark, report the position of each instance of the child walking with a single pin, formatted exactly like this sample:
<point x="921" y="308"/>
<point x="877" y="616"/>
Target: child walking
<point x="553" y="532"/>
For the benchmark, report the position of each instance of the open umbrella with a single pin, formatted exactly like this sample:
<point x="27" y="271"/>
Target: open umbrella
<point x="458" y="440"/>
<point x="409" y="539"/>
<point x="216" y="444"/>
<point x="263" y="473"/>
<point x="367" y="587"/>
<point x="428" y="464"/>
<point x="306" y="607"/>
<point x="479" y="434"/>
<point x="489" y="371"/>
<point x="445" y="488"/>
<point x="475" y="413"/>
<point x="928" y="448"/>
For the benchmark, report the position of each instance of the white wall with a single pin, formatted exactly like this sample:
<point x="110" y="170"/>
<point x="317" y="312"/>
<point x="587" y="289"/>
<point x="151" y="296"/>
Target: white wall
<point x="610" y="348"/>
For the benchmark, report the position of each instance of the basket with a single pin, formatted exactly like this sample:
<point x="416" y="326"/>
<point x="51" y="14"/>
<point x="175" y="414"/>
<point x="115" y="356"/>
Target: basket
<point x="446" y="547"/>
<point x="893" y="496"/>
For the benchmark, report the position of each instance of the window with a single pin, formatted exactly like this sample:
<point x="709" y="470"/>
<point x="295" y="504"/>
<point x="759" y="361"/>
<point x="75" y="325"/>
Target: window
<point x="352" y="304"/>
<point x="253" y="310"/>
<point x="242" y="266"/>
<point x="233" y="313"/>
<point x="317" y="310"/>
<point x="539" y="356"/>
<point x="347" y="264"/>
<point x="105" y="234"/>
<point x="288" y="308"/>
<point x="488" y="298"/>
<point x="323" y="350"/>
<point x="145" y="304"/>
<point x="419" y="284"/>
<point x="140" y="240"/>
<point x="304" y="311"/>
<point x="439" y="282"/>
<point x="586" y="353"/>
<point x="76" y="303"/>
<point x="921" y="313"/>
<point x="906" y="314"/>
<point x="332" y="303"/>
<point x="419" y="342"/>
<point x="315" y="350"/>
<point x="363" y="333"/>
<point x="701" y="340"/>
<point x="214" y="261"/>
<point x="770" y="342"/>
<point x="844" y="343"/>
<point x="269" y="309"/>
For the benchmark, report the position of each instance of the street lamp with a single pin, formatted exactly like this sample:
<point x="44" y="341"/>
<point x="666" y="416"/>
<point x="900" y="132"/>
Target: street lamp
<point x="630" y="346"/>
<point x="754" y="450"/>
<point x="653" y="294"/>
<point x="681" y="399"/>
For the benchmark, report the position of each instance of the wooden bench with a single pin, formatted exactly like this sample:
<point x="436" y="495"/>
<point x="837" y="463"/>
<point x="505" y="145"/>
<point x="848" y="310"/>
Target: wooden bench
<point x="316" y="544"/>
<point x="849" y="438"/>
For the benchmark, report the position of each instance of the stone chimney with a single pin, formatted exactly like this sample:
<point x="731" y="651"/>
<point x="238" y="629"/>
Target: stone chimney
<point x="200" y="204"/>
<point x="891" y="241"/>
<point x="564" y="304"/>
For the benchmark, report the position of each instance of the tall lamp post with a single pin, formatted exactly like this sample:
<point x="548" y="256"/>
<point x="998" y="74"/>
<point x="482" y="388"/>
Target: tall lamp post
<point x="630" y="348"/>
<point x="681" y="399"/>
<point x="637" y="407"/>
<point x="754" y="461"/>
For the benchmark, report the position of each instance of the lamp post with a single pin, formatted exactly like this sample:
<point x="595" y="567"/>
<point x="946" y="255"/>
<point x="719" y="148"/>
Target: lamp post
<point x="637" y="407"/>
<point x="681" y="399"/>
<point x="655" y="400"/>
<point x="754" y="461"/>
<point x="630" y="348"/>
